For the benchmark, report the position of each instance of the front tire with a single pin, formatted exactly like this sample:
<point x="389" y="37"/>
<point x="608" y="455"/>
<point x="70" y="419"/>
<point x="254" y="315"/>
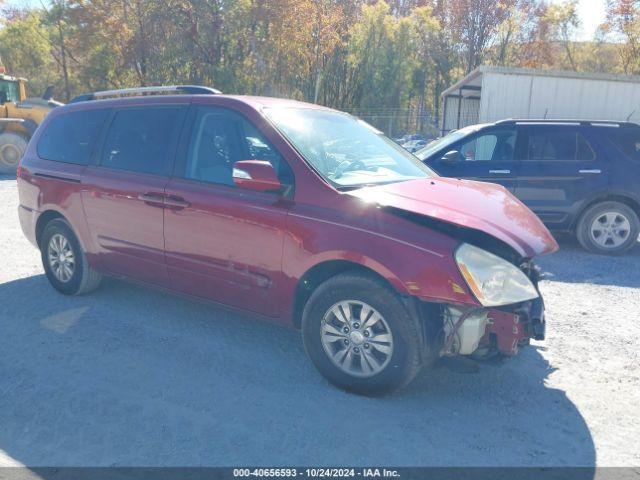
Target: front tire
<point x="64" y="262"/>
<point x="12" y="148"/>
<point x="360" y="336"/>
<point x="609" y="228"/>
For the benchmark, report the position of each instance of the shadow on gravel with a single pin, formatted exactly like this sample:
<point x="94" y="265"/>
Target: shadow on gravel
<point x="129" y="376"/>
<point x="576" y="265"/>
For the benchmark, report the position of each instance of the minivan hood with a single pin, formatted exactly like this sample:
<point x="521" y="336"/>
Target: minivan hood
<point x="486" y="207"/>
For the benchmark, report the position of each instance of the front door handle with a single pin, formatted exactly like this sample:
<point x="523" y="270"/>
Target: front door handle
<point x="503" y="172"/>
<point x="594" y="171"/>
<point x="175" y="202"/>
<point x="153" y="199"/>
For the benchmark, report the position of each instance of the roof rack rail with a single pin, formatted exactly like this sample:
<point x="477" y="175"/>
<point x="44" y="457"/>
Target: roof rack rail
<point x="143" y="91"/>
<point x="564" y="121"/>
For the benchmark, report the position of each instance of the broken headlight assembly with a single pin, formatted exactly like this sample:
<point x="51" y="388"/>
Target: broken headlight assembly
<point x="493" y="280"/>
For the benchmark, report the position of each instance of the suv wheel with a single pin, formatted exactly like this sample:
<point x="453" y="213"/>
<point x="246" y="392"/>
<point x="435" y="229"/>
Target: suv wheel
<point x="360" y="336"/>
<point x="608" y="228"/>
<point x="64" y="261"/>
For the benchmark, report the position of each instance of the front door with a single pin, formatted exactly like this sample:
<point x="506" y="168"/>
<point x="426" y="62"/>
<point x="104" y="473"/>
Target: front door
<point x="487" y="156"/>
<point x="559" y="170"/>
<point x="222" y="242"/>
<point x="123" y="195"/>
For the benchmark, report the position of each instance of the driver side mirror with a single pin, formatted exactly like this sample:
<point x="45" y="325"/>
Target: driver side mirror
<point x="258" y="175"/>
<point x="451" y="156"/>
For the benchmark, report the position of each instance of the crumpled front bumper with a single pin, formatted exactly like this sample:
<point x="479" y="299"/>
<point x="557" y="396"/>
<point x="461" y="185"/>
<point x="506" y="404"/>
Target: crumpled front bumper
<point x="510" y="328"/>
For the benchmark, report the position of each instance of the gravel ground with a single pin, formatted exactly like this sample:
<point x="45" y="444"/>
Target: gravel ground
<point x="129" y="376"/>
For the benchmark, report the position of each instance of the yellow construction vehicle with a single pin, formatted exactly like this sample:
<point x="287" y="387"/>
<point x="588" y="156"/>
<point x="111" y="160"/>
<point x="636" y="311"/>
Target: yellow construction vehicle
<point x="19" y="118"/>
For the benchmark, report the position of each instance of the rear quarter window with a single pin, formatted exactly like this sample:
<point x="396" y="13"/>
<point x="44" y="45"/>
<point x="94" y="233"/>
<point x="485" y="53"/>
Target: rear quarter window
<point x="626" y="141"/>
<point x="70" y="137"/>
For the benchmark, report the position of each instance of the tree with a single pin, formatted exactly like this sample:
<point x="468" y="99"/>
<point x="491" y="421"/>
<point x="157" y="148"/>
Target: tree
<point x="563" y="22"/>
<point x="623" y="19"/>
<point x="25" y="51"/>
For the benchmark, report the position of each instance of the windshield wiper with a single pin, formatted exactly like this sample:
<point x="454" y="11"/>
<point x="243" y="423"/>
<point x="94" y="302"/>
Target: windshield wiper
<point x="344" y="188"/>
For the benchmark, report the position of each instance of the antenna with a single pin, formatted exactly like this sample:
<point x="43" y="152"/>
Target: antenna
<point x="545" y="113"/>
<point x="630" y="115"/>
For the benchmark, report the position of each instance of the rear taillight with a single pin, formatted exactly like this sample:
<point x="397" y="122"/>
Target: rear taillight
<point x="19" y="171"/>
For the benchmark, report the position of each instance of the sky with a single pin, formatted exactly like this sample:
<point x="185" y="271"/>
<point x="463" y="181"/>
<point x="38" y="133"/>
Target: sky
<point x="592" y="14"/>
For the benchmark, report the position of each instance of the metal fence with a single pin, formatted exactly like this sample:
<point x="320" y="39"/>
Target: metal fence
<point x="398" y="122"/>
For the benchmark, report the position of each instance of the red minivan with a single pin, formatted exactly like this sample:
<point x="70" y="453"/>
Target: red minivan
<point x="292" y="211"/>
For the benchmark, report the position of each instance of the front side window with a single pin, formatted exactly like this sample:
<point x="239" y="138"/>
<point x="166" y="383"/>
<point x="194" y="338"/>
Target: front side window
<point x="345" y="151"/>
<point x="496" y="146"/>
<point x="558" y="144"/>
<point x="446" y="141"/>
<point x="141" y="139"/>
<point x="219" y="139"/>
<point x="70" y="137"/>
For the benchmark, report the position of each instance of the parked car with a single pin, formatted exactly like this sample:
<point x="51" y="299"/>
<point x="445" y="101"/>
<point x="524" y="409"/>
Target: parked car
<point x="258" y="204"/>
<point x="577" y="176"/>
<point x="414" y="145"/>
<point x="409" y="138"/>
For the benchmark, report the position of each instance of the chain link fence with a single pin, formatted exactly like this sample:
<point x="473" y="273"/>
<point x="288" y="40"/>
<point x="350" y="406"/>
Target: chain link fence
<point x="396" y="123"/>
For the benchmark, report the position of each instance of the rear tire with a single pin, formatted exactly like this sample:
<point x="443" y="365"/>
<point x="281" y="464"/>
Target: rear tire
<point x="12" y="148"/>
<point x="64" y="262"/>
<point x="609" y="228"/>
<point x="354" y="349"/>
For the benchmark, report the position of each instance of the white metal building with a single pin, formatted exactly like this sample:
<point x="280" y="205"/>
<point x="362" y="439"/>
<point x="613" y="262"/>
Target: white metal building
<point x="489" y="94"/>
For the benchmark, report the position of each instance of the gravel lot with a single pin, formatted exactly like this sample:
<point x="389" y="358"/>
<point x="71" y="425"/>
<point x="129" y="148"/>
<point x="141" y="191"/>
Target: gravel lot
<point x="129" y="376"/>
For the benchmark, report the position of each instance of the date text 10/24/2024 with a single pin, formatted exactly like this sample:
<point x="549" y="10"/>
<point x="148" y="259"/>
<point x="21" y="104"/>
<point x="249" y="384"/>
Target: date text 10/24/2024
<point x="317" y="472"/>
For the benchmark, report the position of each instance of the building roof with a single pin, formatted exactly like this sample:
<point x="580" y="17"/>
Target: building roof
<point x="474" y="77"/>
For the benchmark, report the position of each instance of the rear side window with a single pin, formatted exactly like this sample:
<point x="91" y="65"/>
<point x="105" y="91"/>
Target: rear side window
<point x="626" y="140"/>
<point x="70" y="137"/>
<point x="558" y="144"/>
<point x="141" y="139"/>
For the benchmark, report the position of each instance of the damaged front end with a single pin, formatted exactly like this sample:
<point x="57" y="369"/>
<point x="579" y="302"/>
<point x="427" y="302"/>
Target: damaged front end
<point x="486" y="331"/>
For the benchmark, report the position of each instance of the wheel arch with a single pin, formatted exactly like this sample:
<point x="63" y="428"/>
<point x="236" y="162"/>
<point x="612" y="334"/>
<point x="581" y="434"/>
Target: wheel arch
<point x="44" y="218"/>
<point x="623" y="198"/>
<point x="320" y="273"/>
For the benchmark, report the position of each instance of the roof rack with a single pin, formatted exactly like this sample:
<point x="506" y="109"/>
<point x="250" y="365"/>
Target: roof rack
<point x="530" y="121"/>
<point x="144" y="91"/>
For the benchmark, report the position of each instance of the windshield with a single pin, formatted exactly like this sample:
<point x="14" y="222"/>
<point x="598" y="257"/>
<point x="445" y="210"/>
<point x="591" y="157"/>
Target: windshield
<point x="443" y="142"/>
<point x="8" y="91"/>
<point x="347" y="152"/>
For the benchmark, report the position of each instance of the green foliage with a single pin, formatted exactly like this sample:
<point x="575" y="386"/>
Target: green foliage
<point x="24" y="49"/>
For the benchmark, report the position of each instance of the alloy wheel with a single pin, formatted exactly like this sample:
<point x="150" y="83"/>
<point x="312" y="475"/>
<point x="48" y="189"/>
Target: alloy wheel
<point x="61" y="258"/>
<point x="356" y="338"/>
<point x="610" y="230"/>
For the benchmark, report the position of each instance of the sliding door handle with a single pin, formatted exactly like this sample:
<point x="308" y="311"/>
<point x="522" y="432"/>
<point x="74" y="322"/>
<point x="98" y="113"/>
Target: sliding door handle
<point x="175" y="202"/>
<point x="502" y="172"/>
<point x="152" y="199"/>
<point x="593" y="171"/>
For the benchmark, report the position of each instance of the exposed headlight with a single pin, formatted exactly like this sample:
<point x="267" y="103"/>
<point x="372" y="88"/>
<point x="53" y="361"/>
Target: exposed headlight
<point x="493" y="280"/>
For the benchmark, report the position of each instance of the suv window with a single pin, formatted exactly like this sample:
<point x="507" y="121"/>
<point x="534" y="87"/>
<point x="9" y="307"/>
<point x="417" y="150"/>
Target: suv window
<point x="220" y="138"/>
<point x="141" y="139"/>
<point x="497" y="146"/>
<point x="70" y="137"/>
<point x="627" y="140"/>
<point x="558" y="144"/>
